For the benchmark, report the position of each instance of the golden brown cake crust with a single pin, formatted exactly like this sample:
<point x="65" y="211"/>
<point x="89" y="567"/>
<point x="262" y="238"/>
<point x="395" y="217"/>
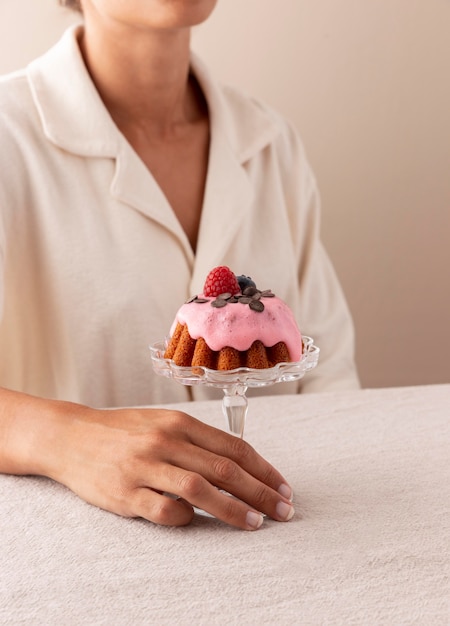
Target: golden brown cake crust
<point x="186" y="351"/>
<point x="174" y="341"/>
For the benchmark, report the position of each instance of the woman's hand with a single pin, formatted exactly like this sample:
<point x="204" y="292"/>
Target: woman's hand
<point x="126" y="460"/>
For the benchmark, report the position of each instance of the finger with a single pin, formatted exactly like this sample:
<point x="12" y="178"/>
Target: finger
<point x="228" y="475"/>
<point x="225" y="445"/>
<point x="199" y="492"/>
<point x="159" y="508"/>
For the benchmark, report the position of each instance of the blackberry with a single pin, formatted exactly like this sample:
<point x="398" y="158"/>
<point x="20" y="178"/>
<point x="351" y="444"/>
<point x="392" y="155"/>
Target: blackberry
<point x="245" y="281"/>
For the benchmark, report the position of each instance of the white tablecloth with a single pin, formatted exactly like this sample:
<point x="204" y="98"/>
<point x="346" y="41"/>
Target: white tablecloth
<point x="369" y="543"/>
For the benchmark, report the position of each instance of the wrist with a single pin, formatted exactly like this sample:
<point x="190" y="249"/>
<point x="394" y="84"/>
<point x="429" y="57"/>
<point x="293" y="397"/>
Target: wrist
<point x="32" y="433"/>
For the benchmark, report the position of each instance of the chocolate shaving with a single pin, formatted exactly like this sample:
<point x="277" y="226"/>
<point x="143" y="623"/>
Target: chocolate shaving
<point x="218" y="304"/>
<point x="256" y="305"/>
<point x="197" y="300"/>
<point x="251" y="296"/>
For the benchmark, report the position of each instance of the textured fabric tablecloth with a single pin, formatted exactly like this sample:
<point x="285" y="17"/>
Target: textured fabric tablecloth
<point x="369" y="544"/>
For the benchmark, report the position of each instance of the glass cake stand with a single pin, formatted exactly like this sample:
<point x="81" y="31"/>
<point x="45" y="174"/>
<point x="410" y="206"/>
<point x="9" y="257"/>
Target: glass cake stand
<point x="235" y="383"/>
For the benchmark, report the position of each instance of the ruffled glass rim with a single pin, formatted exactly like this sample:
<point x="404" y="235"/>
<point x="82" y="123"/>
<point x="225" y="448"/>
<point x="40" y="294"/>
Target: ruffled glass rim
<point x="282" y="372"/>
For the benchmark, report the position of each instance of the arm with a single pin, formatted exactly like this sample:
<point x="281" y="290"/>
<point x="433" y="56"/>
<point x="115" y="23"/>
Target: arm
<point x="122" y="460"/>
<point x="323" y="310"/>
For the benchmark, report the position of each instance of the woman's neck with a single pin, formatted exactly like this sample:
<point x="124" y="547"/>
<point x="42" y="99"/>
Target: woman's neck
<point x="142" y="77"/>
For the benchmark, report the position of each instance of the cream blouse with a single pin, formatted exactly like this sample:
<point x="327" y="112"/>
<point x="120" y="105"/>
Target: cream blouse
<point x="94" y="263"/>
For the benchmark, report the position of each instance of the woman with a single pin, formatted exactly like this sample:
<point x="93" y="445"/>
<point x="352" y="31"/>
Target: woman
<point x="126" y="174"/>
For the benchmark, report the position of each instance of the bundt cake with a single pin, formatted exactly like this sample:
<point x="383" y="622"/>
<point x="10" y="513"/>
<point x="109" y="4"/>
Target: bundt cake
<point x="233" y="324"/>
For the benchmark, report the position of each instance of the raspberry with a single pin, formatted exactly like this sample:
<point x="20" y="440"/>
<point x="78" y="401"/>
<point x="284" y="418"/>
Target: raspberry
<point x="221" y="280"/>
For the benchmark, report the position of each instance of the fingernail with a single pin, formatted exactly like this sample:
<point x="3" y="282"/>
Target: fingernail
<point x="285" y="491"/>
<point x="254" y="520"/>
<point x="285" y="511"/>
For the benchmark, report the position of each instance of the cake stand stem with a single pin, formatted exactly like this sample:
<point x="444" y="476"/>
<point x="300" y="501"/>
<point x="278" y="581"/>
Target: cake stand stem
<point x="234" y="406"/>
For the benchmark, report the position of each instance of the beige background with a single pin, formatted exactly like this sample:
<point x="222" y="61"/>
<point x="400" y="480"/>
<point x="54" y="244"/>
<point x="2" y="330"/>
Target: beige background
<point x="367" y="83"/>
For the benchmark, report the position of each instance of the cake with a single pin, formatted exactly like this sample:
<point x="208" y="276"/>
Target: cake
<point x="233" y="324"/>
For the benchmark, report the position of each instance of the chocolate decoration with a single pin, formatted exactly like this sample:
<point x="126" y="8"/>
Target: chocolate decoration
<point x="218" y="304"/>
<point x="256" y="305"/>
<point x="251" y="296"/>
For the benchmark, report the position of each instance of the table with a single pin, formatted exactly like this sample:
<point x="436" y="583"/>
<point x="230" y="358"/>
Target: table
<point x="369" y="543"/>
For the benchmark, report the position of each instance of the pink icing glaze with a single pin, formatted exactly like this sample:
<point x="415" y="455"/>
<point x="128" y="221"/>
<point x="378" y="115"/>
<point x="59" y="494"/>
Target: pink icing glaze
<point x="238" y="326"/>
